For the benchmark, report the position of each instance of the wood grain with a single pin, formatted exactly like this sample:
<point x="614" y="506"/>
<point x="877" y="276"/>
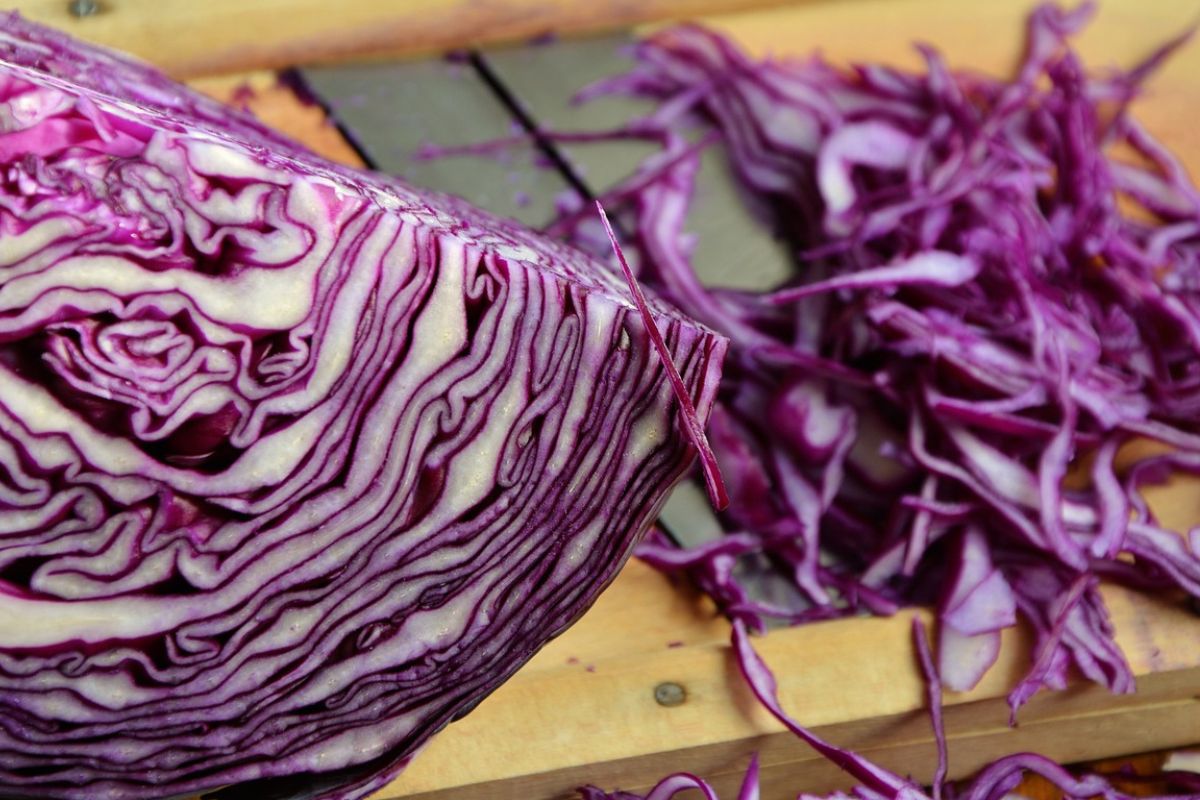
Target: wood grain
<point x="190" y="38"/>
<point x="583" y="711"/>
<point x="557" y="725"/>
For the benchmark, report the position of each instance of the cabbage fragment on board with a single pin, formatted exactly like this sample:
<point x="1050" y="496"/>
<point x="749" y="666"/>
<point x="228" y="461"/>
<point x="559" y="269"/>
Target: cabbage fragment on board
<point x="297" y="463"/>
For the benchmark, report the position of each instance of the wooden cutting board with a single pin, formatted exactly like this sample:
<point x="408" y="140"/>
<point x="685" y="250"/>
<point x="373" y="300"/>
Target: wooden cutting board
<point x="585" y="709"/>
<point x="190" y="38"/>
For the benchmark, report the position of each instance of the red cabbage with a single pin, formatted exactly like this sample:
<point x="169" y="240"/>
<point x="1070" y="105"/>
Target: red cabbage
<point x="297" y="463"/>
<point x="692" y="423"/>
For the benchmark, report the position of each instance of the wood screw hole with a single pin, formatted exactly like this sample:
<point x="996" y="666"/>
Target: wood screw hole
<point x="83" y="8"/>
<point x="669" y="694"/>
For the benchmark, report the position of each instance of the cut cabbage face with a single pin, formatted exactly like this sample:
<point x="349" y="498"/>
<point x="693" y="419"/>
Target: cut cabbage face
<point x="297" y="463"/>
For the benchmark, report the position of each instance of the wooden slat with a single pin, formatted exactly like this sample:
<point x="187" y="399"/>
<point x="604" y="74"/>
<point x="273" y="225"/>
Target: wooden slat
<point x="583" y="710"/>
<point x="556" y="726"/>
<point x="189" y="38"/>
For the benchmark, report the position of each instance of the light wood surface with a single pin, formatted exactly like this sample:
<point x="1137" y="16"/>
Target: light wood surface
<point x="557" y="725"/>
<point x="191" y="38"/>
<point x="584" y="711"/>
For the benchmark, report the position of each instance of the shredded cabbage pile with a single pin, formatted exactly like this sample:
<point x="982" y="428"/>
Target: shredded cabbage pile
<point x="996" y="292"/>
<point x="989" y="348"/>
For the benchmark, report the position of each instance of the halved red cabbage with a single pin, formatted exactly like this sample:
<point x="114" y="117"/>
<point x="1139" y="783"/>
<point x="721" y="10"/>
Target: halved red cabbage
<point x="296" y="463"/>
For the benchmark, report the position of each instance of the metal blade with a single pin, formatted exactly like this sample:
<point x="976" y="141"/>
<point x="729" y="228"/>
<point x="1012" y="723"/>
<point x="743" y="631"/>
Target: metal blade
<point x="736" y="251"/>
<point x="391" y="110"/>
